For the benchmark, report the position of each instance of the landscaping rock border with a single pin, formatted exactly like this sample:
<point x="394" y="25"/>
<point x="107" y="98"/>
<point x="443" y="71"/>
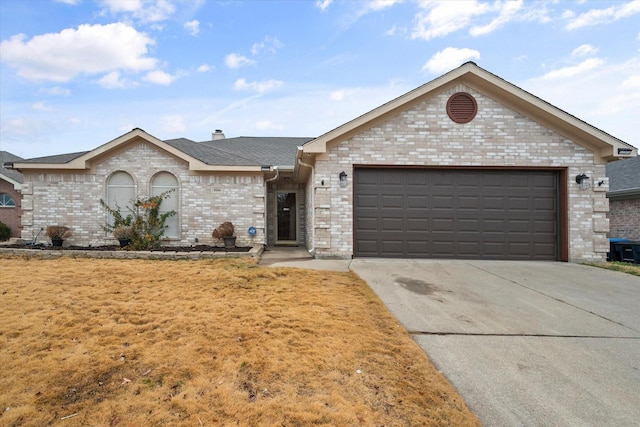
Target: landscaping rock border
<point x="254" y="252"/>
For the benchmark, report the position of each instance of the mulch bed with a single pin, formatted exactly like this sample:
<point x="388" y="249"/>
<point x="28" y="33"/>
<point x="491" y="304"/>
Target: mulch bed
<point x="195" y="248"/>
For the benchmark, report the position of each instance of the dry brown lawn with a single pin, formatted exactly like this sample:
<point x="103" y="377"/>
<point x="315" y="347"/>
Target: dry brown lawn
<point x="89" y="342"/>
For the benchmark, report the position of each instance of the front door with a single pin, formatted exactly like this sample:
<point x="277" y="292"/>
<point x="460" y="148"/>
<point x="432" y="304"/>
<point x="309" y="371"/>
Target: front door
<point x="286" y="223"/>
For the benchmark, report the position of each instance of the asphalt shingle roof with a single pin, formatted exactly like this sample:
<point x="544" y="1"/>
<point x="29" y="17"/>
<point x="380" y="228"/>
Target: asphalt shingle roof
<point x="6" y="157"/>
<point x="624" y="174"/>
<point x="240" y="151"/>
<point x="56" y="159"/>
<point x="271" y="151"/>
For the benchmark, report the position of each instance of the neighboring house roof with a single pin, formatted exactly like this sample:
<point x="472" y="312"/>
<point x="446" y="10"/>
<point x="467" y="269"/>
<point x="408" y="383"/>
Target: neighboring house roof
<point x="12" y="176"/>
<point x="604" y="146"/>
<point x="624" y="178"/>
<point x="247" y="154"/>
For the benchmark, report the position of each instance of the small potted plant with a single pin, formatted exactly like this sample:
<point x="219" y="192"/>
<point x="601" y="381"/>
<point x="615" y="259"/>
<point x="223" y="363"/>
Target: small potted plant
<point x="123" y="233"/>
<point x="58" y="234"/>
<point x="225" y="232"/>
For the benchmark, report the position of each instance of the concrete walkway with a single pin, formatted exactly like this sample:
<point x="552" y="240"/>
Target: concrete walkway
<point x="283" y="256"/>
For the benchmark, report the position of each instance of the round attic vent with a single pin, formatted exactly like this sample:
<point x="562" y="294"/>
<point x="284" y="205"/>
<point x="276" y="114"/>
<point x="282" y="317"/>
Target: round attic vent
<point x="462" y="107"/>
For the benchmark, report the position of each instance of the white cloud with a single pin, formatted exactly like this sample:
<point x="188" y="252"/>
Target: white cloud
<point x="159" y="77"/>
<point x="584" y="50"/>
<point x="193" y="27"/>
<point x="113" y="81"/>
<point x="449" y="58"/>
<point x="441" y="18"/>
<point x="507" y="12"/>
<point x="146" y="11"/>
<point x="56" y="90"/>
<point x="604" y="16"/>
<point x="41" y="106"/>
<point x="204" y="68"/>
<point x="338" y="95"/>
<point x="376" y="5"/>
<point x="259" y="87"/>
<point x="173" y="123"/>
<point x="233" y="60"/>
<point x="69" y="2"/>
<point x="573" y="70"/>
<point x="91" y="49"/>
<point x="632" y="82"/>
<point x="323" y="4"/>
<point x="270" y="44"/>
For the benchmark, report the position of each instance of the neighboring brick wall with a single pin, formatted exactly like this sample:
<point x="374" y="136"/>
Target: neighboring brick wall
<point x="11" y="216"/>
<point x="425" y="135"/>
<point x="206" y="200"/>
<point x="624" y="218"/>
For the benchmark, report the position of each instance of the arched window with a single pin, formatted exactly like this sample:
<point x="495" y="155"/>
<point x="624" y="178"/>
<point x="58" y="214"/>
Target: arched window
<point x="121" y="193"/>
<point x="160" y="183"/>
<point x="6" y="201"/>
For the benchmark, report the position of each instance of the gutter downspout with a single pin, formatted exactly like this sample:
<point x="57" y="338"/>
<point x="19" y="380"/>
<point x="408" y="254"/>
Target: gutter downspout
<point x="313" y="198"/>
<point x="266" y="204"/>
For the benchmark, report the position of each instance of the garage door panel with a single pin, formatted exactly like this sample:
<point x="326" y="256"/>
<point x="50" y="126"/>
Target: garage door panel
<point x="367" y="224"/>
<point x="393" y="224"/>
<point x="417" y="201"/>
<point x="417" y="224"/>
<point x="391" y="201"/>
<point x="366" y="201"/>
<point x="493" y="214"/>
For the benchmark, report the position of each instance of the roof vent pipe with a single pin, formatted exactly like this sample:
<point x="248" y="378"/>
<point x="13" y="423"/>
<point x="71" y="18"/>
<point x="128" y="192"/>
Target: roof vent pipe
<point x="217" y="135"/>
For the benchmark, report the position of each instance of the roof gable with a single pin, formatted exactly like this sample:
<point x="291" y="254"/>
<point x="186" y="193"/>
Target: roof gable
<point x="604" y="146"/>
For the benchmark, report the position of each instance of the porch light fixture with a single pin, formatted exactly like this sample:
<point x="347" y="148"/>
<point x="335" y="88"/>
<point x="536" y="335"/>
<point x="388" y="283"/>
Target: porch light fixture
<point x="343" y="179"/>
<point x="624" y="151"/>
<point x="583" y="181"/>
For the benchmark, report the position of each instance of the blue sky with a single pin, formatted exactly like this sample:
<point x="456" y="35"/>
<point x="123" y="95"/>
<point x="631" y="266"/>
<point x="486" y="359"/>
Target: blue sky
<point x="75" y="74"/>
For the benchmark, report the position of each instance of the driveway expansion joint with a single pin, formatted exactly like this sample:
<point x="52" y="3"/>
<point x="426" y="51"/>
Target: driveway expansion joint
<point x="482" y="334"/>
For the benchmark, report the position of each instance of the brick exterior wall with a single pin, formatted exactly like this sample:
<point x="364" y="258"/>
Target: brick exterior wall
<point x="205" y="200"/>
<point x="624" y="218"/>
<point x="425" y="135"/>
<point x="11" y="216"/>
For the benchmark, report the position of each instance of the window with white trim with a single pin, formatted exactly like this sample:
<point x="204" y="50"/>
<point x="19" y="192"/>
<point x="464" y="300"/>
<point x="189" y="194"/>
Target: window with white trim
<point x="121" y="193"/>
<point x="6" y="201"/>
<point x="160" y="183"/>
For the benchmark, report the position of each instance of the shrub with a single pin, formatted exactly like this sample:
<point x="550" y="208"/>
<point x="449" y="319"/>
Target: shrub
<point x="147" y="224"/>
<point x="223" y="230"/>
<point x="123" y="232"/>
<point x="5" y="232"/>
<point x="60" y="232"/>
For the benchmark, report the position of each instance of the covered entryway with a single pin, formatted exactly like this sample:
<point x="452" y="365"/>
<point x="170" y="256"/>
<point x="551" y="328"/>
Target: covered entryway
<point x="286" y="218"/>
<point x="457" y="213"/>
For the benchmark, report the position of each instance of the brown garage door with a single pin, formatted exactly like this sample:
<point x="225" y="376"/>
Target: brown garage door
<point x="456" y="213"/>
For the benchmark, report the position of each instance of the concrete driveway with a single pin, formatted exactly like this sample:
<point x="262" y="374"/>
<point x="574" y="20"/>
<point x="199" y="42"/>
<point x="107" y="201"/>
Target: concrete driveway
<point x="525" y="343"/>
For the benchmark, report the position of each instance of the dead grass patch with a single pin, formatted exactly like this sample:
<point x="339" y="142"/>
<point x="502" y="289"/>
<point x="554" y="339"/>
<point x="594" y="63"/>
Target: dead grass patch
<point x="209" y="342"/>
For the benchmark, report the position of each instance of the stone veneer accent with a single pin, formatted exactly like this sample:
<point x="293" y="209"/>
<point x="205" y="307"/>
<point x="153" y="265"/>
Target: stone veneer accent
<point x="424" y="135"/>
<point x="205" y="200"/>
